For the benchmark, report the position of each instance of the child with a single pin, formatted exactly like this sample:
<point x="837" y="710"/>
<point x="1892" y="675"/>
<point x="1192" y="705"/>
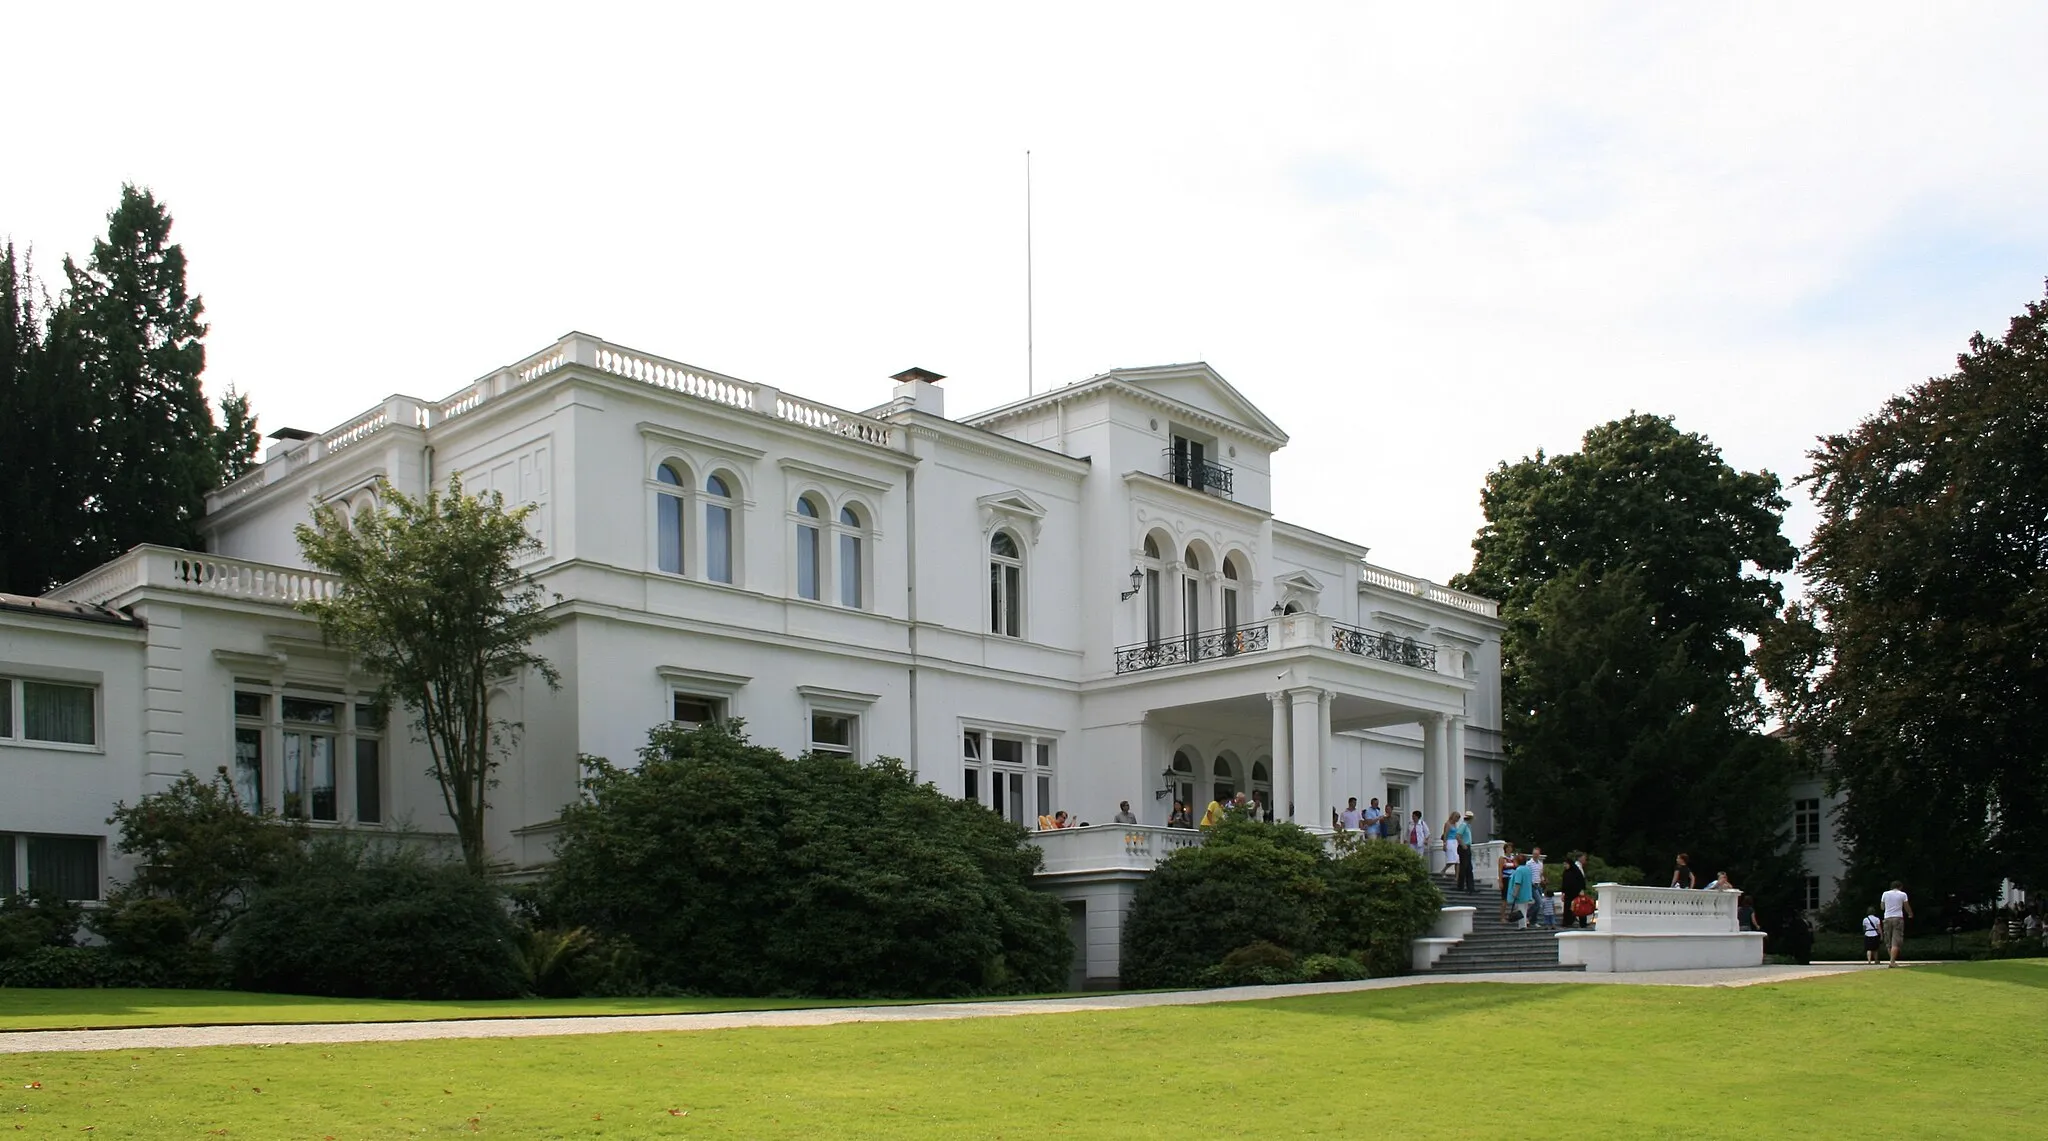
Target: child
<point x="1546" y="909"/>
<point x="1871" y="927"/>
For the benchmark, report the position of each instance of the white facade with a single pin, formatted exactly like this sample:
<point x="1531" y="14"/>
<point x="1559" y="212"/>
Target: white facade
<point x="1070" y="601"/>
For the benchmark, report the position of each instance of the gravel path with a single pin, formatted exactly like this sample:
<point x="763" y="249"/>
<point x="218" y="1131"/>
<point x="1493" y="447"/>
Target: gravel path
<point x="162" y="1037"/>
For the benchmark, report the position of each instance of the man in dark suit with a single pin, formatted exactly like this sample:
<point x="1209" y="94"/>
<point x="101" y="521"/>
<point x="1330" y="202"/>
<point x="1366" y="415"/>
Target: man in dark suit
<point x="1574" y="887"/>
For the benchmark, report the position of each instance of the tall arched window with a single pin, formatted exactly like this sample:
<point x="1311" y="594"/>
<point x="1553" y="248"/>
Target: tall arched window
<point x="1152" y="603"/>
<point x="1184" y="779"/>
<point x="850" y="569"/>
<point x="1191" y="599"/>
<point x="807" y="583"/>
<point x="718" y="528"/>
<point x="1226" y="781"/>
<point x="668" y="519"/>
<point x="1005" y="585"/>
<point x="1231" y="604"/>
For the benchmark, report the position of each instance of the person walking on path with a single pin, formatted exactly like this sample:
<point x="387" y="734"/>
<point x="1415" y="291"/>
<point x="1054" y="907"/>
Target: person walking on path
<point x="1873" y="932"/>
<point x="1418" y="836"/>
<point x="1682" y="876"/>
<point x="1465" y="880"/>
<point x="1897" y="909"/>
<point x="1522" y="893"/>
<point x="1574" y="887"/>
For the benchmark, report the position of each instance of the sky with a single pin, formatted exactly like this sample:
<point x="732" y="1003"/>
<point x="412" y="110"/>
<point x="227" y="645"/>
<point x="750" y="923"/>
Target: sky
<point x="1425" y="239"/>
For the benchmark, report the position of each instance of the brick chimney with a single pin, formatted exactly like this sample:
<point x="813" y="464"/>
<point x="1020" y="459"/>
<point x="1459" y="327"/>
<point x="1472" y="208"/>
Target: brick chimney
<point x="921" y="388"/>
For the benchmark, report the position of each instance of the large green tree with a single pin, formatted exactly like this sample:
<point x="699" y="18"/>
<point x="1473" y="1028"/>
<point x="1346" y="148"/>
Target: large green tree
<point x="1917" y="673"/>
<point x="107" y="440"/>
<point x="432" y="601"/>
<point x="1631" y="573"/>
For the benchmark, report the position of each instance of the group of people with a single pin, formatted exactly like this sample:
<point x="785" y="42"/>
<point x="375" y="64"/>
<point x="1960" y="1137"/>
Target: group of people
<point x="1183" y="814"/>
<point x="1746" y="917"/>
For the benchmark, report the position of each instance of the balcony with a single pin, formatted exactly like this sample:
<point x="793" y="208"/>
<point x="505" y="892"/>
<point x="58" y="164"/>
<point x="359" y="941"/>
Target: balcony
<point x="167" y="568"/>
<point x="1201" y="474"/>
<point x="1290" y="631"/>
<point x="1110" y="847"/>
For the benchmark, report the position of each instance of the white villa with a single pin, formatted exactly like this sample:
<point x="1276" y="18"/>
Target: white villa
<point x="1066" y="602"/>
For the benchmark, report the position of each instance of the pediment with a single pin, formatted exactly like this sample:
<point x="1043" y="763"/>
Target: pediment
<point x="1202" y="388"/>
<point x="1013" y="508"/>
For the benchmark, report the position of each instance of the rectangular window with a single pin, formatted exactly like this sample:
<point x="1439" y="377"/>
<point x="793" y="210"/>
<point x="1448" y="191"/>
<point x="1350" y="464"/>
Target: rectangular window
<point x="691" y="710"/>
<point x="248" y="772"/>
<point x="807" y="562"/>
<point x="9" y="885"/>
<point x="308" y="758"/>
<point x="1806" y="822"/>
<point x="49" y="712"/>
<point x="1008" y="790"/>
<point x="1007" y="751"/>
<point x="1813" y="893"/>
<point x="970" y="760"/>
<point x="369" y="781"/>
<point x="718" y="543"/>
<point x="849" y="571"/>
<point x="1152" y="608"/>
<point x="668" y="533"/>
<point x="833" y="733"/>
<point x="64" y="866"/>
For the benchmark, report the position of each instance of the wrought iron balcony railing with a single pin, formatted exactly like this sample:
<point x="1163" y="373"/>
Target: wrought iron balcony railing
<point x="1200" y="474"/>
<point x="1382" y="647"/>
<point x="1201" y="647"/>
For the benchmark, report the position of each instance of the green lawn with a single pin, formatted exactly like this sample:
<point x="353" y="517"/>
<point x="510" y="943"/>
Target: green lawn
<point x="1879" y="1054"/>
<point x="26" y="1009"/>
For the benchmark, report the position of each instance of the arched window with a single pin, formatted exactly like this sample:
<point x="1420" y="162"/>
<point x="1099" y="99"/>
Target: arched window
<point x="1153" y="614"/>
<point x="1262" y="788"/>
<point x="1191" y="599"/>
<point x="668" y="519"/>
<point x="807" y="578"/>
<point x="1184" y="779"/>
<point x="1226" y="781"/>
<point x="718" y="535"/>
<point x="1005" y="586"/>
<point x="1232" y="605"/>
<point x="850" y="569"/>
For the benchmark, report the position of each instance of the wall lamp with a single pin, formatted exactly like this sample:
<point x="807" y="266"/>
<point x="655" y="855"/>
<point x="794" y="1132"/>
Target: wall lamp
<point x="1137" y="580"/>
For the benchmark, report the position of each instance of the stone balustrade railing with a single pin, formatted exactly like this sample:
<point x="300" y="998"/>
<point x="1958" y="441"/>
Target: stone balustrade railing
<point x="574" y="349"/>
<point x="1627" y="909"/>
<point x="1111" y="847"/>
<point x="167" y="568"/>
<point x="1399" y="583"/>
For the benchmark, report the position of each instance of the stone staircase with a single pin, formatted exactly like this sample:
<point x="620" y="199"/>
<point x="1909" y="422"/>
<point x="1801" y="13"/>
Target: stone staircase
<point x="1493" y="945"/>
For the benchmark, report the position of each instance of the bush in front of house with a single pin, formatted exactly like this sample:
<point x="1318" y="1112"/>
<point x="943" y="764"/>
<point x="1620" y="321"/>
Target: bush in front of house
<point x="1380" y="897"/>
<point x="356" y="921"/>
<point x="723" y="867"/>
<point x="1247" y="883"/>
<point x="1224" y="913"/>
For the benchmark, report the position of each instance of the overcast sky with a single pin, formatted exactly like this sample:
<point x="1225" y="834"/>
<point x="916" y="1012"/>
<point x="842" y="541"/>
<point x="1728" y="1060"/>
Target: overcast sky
<point x="1423" y="238"/>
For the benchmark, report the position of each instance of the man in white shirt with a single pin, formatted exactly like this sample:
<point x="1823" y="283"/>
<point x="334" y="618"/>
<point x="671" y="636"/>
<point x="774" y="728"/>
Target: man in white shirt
<point x="1897" y="909"/>
<point x="1348" y="819"/>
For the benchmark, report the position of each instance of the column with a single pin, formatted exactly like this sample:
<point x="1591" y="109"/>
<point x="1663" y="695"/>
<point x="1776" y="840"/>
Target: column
<point x="1306" y="758"/>
<point x="1434" y="793"/>
<point x="1456" y="743"/>
<point x="1323" y="749"/>
<point x="1283" y="761"/>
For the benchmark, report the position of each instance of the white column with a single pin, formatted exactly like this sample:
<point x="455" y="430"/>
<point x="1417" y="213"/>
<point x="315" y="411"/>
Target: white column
<point x="1323" y="750"/>
<point x="1283" y="761"/>
<point x="1307" y="758"/>
<point x="1457" y="767"/>
<point x="1434" y="795"/>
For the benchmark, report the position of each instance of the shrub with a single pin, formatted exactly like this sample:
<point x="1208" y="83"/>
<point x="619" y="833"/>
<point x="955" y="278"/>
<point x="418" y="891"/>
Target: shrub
<point x="359" y="922"/>
<point x="1331" y="969"/>
<point x="1248" y="882"/>
<point x="728" y="868"/>
<point x="547" y="956"/>
<point x="197" y="846"/>
<point x="1380" y="897"/>
<point x="1598" y="871"/>
<point x="36" y="920"/>
<point x="80" y="967"/>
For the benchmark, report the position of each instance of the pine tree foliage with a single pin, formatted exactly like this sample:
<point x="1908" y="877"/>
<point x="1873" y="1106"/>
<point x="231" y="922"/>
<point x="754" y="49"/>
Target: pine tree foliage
<point x="1917" y="674"/>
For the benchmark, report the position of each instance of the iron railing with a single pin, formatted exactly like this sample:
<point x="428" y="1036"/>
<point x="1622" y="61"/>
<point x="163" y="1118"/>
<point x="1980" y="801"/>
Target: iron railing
<point x="1205" y="646"/>
<point x="1401" y="651"/>
<point x="1200" y="474"/>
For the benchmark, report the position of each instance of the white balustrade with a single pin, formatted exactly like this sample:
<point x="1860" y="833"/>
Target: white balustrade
<point x="1111" y="847"/>
<point x="354" y="431"/>
<point x="165" y="568"/>
<point x="1422" y="588"/>
<point x="1627" y="909"/>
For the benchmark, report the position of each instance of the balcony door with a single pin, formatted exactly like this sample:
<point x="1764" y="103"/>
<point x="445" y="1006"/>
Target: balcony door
<point x="1191" y="602"/>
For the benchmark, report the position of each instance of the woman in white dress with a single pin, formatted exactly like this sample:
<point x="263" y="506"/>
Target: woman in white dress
<point x="1450" y="835"/>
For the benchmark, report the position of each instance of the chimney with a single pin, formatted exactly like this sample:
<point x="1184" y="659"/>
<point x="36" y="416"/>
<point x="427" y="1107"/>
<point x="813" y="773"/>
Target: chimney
<point x="921" y="388"/>
<point x="289" y="440"/>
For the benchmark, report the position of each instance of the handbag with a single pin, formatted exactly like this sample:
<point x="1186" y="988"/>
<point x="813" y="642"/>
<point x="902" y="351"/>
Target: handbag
<point x="1582" y="905"/>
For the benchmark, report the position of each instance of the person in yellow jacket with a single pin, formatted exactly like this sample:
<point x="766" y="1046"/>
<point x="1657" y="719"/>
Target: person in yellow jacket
<point x="1213" y="815"/>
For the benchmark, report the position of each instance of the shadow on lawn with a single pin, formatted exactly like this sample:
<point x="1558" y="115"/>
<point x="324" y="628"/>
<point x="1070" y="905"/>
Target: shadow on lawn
<point x="2016" y="972"/>
<point x="1420" y="1003"/>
